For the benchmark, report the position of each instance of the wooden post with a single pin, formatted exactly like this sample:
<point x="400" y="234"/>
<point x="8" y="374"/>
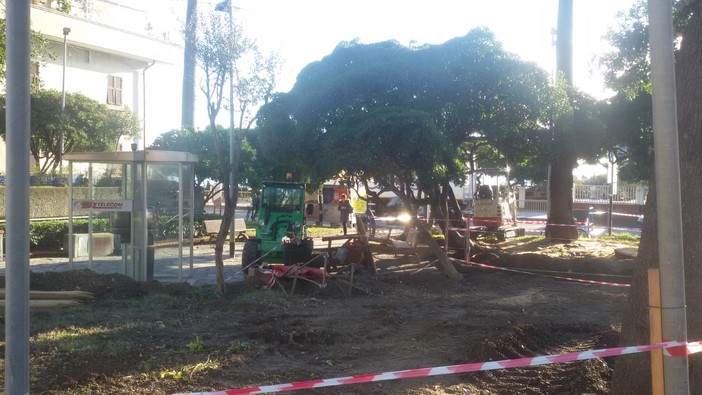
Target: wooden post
<point x="655" y="336"/>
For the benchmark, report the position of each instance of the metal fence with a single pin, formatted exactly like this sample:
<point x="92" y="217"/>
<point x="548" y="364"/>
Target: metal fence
<point x="531" y="205"/>
<point x="623" y="194"/>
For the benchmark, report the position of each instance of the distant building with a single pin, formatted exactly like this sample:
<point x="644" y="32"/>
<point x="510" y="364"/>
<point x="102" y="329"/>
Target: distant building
<point x="115" y="56"/>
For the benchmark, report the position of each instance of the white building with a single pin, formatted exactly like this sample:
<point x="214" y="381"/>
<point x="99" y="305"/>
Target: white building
<point x="113" y="56"/>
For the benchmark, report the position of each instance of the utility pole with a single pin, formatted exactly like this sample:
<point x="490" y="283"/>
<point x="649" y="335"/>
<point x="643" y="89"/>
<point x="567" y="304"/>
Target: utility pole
<point x="17" y="52"/>
<point x="233" y="187"/>
<point x="668" y="195"/>
<point x="187" y="119"/>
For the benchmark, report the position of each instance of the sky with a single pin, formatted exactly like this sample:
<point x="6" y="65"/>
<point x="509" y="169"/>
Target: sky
<point x="305" y="31"/>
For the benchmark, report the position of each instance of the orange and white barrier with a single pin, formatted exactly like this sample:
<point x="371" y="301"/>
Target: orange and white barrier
<point x="671" y="348"/>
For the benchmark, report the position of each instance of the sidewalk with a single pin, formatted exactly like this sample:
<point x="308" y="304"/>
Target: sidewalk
<point x="166" y="268"/>
<point x="166" y="264"/>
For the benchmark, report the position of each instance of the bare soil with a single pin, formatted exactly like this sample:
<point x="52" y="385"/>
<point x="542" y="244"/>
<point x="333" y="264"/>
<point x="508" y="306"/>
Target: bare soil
<point x="165" y="338"/>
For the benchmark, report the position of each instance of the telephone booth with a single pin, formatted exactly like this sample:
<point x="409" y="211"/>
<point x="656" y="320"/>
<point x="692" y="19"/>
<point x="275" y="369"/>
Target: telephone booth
<point x="131" y="212"/>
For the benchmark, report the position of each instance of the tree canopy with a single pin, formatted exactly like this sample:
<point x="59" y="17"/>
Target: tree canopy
<point x="363" y="107"/>
<point x="628" y="115"/>
<point x="39" y="50"/>
<point x="201" y="143"/>
<point x="88" y="126"/>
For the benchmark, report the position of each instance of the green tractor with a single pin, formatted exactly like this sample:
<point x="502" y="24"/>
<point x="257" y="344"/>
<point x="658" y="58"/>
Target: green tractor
<point x="281" y="236"/>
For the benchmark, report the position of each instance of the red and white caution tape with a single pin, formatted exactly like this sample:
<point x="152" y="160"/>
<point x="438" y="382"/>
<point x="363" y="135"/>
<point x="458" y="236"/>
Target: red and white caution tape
<point x="580" y="280"/>
<point x="675" y="348"/>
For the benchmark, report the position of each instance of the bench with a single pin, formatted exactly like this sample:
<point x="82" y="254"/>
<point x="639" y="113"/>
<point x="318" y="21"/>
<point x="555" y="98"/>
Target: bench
<point x="212" y="228"/>
<point x="103" y="244"/>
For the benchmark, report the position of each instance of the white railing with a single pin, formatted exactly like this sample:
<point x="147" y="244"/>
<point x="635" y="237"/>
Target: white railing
<point x="624" y="193"/>
<point x="531" y="205"/>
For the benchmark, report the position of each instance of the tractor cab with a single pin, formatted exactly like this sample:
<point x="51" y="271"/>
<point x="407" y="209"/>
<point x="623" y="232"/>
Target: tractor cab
<point x="280" y="230"/>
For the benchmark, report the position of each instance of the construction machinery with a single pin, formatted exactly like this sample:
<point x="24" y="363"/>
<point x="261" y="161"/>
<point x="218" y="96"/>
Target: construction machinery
<point x="281" y="236"/>
<point x="492" y="214"/>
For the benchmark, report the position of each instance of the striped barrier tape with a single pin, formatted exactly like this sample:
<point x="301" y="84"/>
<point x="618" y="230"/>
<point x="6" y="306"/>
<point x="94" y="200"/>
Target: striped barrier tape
<point x="673" y="348"/>
<point x="579" y="280"/>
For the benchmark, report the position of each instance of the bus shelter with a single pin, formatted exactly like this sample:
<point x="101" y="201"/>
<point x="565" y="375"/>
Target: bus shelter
<point x="132" y="212"/>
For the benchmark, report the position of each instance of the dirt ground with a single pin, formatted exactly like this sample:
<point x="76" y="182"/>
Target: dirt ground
<point x="157" y="338"/>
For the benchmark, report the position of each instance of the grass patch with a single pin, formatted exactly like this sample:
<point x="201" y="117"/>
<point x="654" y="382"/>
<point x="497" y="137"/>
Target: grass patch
<point x="82" y="340"/>
<point x="185" y="373"/>
<point x="624" y="237"/>
<point x="321" y="231"/>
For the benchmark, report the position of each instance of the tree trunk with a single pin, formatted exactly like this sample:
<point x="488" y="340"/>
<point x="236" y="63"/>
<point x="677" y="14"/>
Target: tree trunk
<point x="561" y="226"/>
<point x="229" y="208"/>
<point x="632" y="374"/>
<point x="564" y="42"/>
<point x="219" y="243"/>
<point x="446" y="265"/>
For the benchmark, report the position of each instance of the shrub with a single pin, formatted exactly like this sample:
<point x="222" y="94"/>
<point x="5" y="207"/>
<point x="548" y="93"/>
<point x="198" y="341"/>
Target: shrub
<point x="50" y="235"/>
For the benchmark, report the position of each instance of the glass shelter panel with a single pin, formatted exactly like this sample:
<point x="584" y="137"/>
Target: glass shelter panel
<point x="170" y="198"/>
<point x="131" y="212"/>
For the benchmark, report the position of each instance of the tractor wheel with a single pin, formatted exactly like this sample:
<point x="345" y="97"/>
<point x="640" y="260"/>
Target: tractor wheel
<point x="249" y="254"/>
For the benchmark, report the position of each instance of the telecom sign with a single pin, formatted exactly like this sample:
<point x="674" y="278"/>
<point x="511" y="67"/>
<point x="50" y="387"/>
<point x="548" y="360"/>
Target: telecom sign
<point x="102" y="205"/>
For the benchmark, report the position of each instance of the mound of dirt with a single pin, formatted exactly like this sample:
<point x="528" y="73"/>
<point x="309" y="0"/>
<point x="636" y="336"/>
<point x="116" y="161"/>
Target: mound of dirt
<point x="112" y="286"/>
<point x="531" y="340"/>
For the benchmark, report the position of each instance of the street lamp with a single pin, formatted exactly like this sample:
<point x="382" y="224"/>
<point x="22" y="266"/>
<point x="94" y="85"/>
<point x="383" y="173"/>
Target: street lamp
<point x="226" y="5"/>
<point x="612" y="156"/>
<point x="66" y="30"/>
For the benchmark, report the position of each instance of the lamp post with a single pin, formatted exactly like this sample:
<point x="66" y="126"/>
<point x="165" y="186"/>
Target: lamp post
<point x="66" y="30"/>
<point x="611" y="155"/>
<point x="227" y="5"/>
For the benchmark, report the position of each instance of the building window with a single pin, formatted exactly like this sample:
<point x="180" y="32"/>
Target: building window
<point x="114" y="90"/>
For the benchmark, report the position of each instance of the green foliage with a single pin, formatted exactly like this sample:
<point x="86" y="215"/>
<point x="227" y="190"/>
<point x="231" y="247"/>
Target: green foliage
<point x="196" y="345"/>
<point x="177" y="375"/>
<point x="627" y="64"/>
<point x="414" y="117"/>
<point x="198" y="143"/>
<point x="39" y="50"/>
<point x="208" y="171"/>
<point x="50" y="235"/>
<point x="627" y="71"/>
<point x="185" y="373"/>
<point x="632" y="240"/>
<point x="89" y="126"/>
<point x="238" y="347"/>
<point x="630" y="132"/>
<point x="54" y="178"/>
